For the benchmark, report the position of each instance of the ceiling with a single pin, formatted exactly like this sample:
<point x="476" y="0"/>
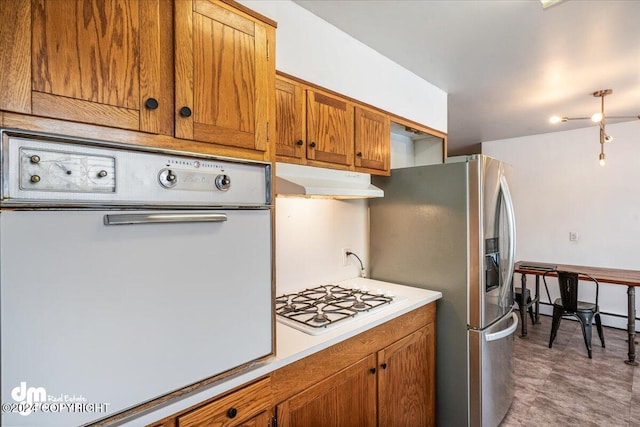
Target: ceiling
<point x="507" y="66"/>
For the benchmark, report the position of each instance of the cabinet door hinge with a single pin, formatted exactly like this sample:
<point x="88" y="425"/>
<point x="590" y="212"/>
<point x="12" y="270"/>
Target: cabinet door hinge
<point x="274" y="421"/>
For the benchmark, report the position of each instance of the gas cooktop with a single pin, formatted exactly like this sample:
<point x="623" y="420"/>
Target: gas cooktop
<point x="320" y="309"/>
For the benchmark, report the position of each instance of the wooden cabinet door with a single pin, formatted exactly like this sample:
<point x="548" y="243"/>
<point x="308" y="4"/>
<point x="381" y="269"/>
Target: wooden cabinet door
<point x="406" y="381"/>
<point x="99" y="62"/>
<point x="372" y="139"/>
<point x="329" y="129"/>
<point x="290" y="113"/>
<point x="346" y="399"/>
<point x="224" y="68"/>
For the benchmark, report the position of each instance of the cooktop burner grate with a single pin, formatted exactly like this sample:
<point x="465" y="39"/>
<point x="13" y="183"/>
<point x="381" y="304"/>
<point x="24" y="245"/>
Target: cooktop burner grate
<point x="326" y="305"/>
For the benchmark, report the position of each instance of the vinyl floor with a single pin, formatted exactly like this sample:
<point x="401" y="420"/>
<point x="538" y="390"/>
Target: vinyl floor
<point x="561" y="386"/>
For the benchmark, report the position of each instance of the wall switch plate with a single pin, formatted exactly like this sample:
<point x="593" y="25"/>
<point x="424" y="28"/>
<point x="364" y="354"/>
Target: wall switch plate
<point x="573" y="236"/>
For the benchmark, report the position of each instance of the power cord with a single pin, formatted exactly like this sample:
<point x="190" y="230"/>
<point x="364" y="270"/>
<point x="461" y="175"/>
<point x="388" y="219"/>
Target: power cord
<point x="363" y="272"/>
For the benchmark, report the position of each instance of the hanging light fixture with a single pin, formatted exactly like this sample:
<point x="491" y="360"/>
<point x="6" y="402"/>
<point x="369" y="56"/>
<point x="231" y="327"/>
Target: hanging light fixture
<point x="599" y="118"/>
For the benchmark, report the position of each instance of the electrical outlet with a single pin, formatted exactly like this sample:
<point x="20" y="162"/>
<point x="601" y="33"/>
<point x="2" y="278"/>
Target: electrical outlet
<point x="573" y="236"/>
<point x="345" y="257"/>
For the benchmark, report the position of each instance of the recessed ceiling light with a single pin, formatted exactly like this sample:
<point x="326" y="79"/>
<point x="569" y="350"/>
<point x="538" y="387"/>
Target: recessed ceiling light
<point x="549" y="3"/>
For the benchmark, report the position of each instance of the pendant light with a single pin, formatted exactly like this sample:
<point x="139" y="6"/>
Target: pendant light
<point x="599" y="118"/>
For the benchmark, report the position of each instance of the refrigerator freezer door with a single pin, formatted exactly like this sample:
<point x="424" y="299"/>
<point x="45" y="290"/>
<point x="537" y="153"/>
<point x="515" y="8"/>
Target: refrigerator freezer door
<point x="496" y="242"/>
<point x="491" y="379"/>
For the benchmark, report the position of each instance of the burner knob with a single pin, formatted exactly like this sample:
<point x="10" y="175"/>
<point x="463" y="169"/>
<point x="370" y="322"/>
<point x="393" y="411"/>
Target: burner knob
<point x="223" y="182"/>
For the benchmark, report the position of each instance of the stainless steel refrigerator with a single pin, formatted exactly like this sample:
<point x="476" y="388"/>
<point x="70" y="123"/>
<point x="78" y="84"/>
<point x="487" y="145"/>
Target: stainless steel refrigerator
<point x="451" y="228"/>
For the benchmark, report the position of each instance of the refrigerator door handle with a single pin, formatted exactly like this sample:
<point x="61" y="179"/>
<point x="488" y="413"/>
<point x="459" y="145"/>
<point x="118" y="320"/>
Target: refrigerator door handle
<point x="505" y="332"/>
<point x="512" y="228"/>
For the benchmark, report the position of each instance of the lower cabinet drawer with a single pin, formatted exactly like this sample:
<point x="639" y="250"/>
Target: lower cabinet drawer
<point x="232" y="409"/>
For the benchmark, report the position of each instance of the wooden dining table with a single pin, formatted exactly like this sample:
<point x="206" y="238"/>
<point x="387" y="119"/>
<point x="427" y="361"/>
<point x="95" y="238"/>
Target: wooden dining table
<point x="614" y="276"/>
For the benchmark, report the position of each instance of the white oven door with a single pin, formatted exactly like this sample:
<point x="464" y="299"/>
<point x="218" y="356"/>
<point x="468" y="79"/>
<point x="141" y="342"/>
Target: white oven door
<point x="123" y="313"/>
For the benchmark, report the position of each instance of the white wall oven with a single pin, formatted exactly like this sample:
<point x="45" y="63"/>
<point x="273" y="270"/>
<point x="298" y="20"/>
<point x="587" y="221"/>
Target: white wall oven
<point x="126" y="275"/>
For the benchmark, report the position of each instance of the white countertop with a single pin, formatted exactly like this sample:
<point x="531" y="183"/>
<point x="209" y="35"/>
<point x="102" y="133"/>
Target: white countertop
<point x="293" y="345"/>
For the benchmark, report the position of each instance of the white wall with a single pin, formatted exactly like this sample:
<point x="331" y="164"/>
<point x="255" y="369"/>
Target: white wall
<point x="559" y="187"/>
<point x="402" y="151"/>
<point x="408" y="152"/>
<point x="311" y="233"/>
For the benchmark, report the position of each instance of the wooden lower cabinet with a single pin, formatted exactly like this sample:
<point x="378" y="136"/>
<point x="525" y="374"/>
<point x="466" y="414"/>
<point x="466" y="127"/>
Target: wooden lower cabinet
<point x="395" y="387"/>
<point x="346" y="399"/>
<point x="406" y="381"/>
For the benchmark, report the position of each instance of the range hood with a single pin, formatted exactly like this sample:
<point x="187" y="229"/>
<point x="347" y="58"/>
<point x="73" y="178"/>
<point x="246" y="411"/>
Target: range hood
<point x="309" y="181"/>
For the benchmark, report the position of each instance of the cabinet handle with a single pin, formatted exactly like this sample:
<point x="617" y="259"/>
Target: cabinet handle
<point x="151" y="103"/>
<point x="185" y="112"/>
<point x="359" y="154"/>
<point x="383" y="366"/>
<point x="232" y="412"/>
<point x="372" y="370"/>
<point x="299" y="142"/>
<point x="312" y="145"/>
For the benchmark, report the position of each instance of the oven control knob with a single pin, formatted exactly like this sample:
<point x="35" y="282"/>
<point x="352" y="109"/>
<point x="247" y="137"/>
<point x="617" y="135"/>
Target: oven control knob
<point x="167" y="178"/>
<point x="223" y="182"/>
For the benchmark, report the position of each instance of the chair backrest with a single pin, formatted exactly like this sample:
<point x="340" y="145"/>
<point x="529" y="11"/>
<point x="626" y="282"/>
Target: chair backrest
<point x="568" y="282"/>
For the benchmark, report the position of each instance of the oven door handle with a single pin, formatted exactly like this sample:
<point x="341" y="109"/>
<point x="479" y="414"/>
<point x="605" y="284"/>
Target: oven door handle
<point x="125" y="219"/>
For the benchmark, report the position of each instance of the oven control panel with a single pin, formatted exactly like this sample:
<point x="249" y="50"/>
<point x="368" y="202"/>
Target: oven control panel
<point x="51" y="170"/>
<point x="43" y="170"/>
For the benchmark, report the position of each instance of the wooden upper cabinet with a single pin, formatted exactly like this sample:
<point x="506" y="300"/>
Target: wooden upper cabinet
<point x="224" y="75"/>
<point x="198" y="70"/>
<point x="290" y="115"/>
<point x="329" y="128"/>
<point x="406" y="381"/>
<point x="372" y="139"/>
<point x="102" y="62"/>
<point x="15" y="56"/>
<point x="318" y="127"/>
